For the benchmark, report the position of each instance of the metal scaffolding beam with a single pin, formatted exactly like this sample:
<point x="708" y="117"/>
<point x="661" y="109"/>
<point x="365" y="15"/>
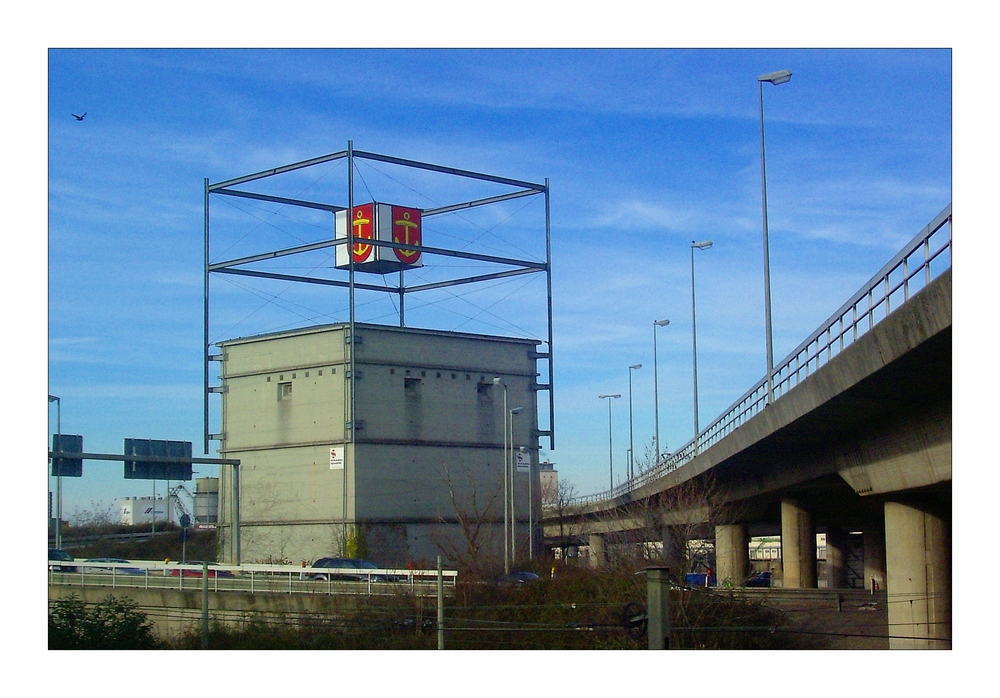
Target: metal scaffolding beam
<point x="234" y="266"/>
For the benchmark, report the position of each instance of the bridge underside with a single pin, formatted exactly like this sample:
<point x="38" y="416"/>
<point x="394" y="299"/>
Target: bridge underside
<point x="860" y="450"/>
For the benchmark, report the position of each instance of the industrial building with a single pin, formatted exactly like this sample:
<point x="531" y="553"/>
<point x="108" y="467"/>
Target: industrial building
<point x="204" y="503"/>
<point x="420" y="471"/>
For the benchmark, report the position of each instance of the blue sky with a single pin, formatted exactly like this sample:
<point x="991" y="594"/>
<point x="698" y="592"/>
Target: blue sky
<point x="661" y="146"/>
<point x="645" y="151"/>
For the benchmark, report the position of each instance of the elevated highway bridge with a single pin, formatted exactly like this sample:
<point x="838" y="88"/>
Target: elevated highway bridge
<point x="856" y="443"/>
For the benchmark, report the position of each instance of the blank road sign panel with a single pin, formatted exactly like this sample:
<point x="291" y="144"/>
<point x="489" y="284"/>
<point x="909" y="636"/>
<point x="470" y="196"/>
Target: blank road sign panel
<point x="67" y="467"/>
<point x="151" y="470"/>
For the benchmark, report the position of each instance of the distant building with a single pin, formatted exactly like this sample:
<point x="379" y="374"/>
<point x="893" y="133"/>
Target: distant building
<point x="206" y="500"/>
<point x="142" y="510"/>
<point x="548" y="480"/>
<point x="428" y="449"/>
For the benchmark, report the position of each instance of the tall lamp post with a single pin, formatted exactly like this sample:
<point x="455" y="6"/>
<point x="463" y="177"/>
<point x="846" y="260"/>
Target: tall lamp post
<point x="506" y="486"/>
<point x="53" y="398"/>
<point x="777" y="78"/>
<point x="656" y="391"/>
<point x="703" y="245"/>
<point x="531" y="505"/>
<point x="513" y="520"/>
<point x="611" y="451"/>
<point x="631" y="443"/>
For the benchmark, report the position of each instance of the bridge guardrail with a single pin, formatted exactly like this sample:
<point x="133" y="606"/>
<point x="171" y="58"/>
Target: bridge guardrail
<point x="911" y="269"/>
<point x="253" y="578"/>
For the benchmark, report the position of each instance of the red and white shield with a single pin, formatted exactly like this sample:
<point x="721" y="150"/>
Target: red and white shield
<point x="406" y="231"/>
<point x="363" y="226"/>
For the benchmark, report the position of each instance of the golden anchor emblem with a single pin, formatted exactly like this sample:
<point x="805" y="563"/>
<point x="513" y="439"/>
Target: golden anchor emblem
<point x="361" y="250"/>
<point x="407" y="225"/>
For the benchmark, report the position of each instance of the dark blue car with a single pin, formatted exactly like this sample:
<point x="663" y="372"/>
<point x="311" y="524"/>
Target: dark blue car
<point x="517" y="578"/>
<point x="758" y="579"/>
<point x="57" y="555"/>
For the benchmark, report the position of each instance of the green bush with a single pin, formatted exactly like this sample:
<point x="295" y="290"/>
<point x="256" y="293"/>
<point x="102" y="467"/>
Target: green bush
<point x="576" y="608"/>
<point x="112" y="624"/>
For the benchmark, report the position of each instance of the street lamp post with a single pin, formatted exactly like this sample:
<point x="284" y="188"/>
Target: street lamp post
<point x="631" y="443"/>
<point x="53" y="398"/>
<point x="506" y="505"/>
<point x="656" y="391"/>
<point x="611" y="451"/>
<point x="531" y="505"/>
<point x="778" y="78"/>
<point x="703" y="245"/>
<point x="513" y="520"/>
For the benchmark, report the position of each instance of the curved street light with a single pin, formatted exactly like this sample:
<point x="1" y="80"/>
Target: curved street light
<point x="506" y="484"/>
<point x="656" y="391"/>
<point x="513" y="520"/>
<point x="611" y="452"/>
<point x="703" y="245"/>
<point x="777" y="78"/>
<point x="631" y="444"/>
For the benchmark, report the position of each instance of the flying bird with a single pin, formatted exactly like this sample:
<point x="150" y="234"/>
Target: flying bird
<point x="80" y="117"/>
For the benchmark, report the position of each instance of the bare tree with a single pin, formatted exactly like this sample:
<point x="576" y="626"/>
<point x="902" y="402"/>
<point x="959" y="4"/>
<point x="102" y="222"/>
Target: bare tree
<point x="477" y="549"/>
<point x="675" y="527"/>
<point x="555" y="504"/>
<point x="99" y="514"/>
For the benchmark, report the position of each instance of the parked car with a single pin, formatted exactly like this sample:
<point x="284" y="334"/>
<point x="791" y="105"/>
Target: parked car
<point x="518" y="578"/>
<point x="176" y="571"/>
<point x="57" y="555"/>
<point x="758" y="579"/>
<point x="108" y="570"/>
<point x="351" y="563"/>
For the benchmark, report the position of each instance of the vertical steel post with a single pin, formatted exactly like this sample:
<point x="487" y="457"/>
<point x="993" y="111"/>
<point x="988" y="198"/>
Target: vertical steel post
<point x="59" y="477"/>
<point x="353" y="394"/>
<point x="658" y="607"/>
<point x="611" y="451"/>
<point x="204" y="604"/>
<point x="506" y="489"/>
<point x="402" y="298"/>
<point x="631" y="440"/>
<point x="205" y="316"/>
<point x="513" y="511"/>
<point x="656" y="402"/>
<point x="440" y="600"/>
<point x="694" y="353"/>
<point x="531" y="510"/>
<point x="631" y="443"/>
<point x="236" y="516"/>
<point x="767" y="257"/>
<point x="548" y="288"/>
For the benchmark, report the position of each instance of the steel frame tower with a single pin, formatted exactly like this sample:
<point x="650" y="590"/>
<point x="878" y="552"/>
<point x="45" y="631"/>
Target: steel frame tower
<point x="243" y="265"/>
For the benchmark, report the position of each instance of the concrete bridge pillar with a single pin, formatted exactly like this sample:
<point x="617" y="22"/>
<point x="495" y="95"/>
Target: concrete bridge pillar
<point x="836" y="558"/>
<point x="798" y="546"/>
<point x="918" y="576"/>
<point x="596" y="543"/>
<point x="732" y="554"/>
<point x="874" y="541"/>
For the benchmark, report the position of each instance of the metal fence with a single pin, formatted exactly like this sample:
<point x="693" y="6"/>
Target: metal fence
<point x="925" y="257"/>
<point x="252" y="578"/>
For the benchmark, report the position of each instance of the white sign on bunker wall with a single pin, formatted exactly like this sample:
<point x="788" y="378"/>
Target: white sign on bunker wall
<point x="336" y="459"/>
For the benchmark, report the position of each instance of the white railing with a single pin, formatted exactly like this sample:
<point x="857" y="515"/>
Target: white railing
<point x="921" y="260"/>
<point x="253" y="578"/>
